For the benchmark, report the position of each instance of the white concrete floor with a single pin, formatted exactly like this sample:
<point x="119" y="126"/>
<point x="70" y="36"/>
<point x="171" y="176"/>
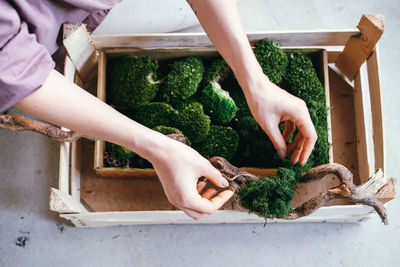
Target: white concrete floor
<point x="29" y="167"/>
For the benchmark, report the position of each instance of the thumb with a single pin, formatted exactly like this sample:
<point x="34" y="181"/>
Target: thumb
<point x="215" y="176"/>
<point x="277" y="139"/>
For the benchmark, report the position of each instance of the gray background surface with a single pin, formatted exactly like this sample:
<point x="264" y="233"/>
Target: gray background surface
<point x="29" y="167"/>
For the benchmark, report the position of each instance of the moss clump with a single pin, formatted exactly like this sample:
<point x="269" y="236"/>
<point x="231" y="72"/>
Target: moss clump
<point x="193" y="122"/>
<point x="304" y="83"/>
<point x="217" y="103"/>
<point x="272" y="59"/>
<point x="216" y="72"/>
<point x="119" y="153"/>
<point x="269" y="197"/>
<point x="171" y="130"/>
<point x="183" y="81"/>
<point x="131" y="82"/>
<point x="220" y="141"/>
<point x="156" y="113"/>
<point x="237" y="95"/>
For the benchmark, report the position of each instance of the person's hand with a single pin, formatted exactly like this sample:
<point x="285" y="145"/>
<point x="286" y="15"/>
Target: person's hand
<point x="271" y="105"/>
<point x="179" y="167"/>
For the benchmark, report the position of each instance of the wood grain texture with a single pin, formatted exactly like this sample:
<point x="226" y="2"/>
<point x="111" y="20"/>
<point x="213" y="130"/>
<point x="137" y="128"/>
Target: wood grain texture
<point x="362" y="151"/>
<point x="344" y="137"/>
<point x="173" y="40"/>
<point x="376" y="109"/>
<point x="358" y="48"/>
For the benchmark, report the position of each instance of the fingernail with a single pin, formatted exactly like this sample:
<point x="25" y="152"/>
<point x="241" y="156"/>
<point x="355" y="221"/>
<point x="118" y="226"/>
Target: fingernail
<point x="224" y="182"/>
<point x="294" y="163"/>
<point x="281" y="154"/>
<point x="303" y="163"/>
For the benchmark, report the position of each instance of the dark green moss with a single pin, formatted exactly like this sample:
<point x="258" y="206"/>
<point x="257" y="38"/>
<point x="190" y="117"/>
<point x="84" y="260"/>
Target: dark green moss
<point x="194" y="123"/>
<point x="272" y="59"/>
<point x="171" y="130"/>
<point x="183" y="80"/>
<point x="119" y="153"/>
<point x="237" y="95"/>
<point x="216" y="72"/>
<point x="217" y="103"/>
<point x="140" y="163"/>
<point x="248" y="128"/>
<point x="155" y="114"/>
<point x="304" y="83"/>
<point x="221" y="141"/>
<point x="269" y="197"/>
<point x="131" y="82"/>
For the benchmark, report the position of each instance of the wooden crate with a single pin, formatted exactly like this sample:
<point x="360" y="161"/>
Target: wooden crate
<point x="88" y="200"/>
<point x="318" y="57"/>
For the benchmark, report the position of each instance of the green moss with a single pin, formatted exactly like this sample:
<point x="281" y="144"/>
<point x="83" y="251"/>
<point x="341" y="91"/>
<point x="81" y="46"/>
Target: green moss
<point x="269" y="197"/>
<point x="171" y="130"/>
<point x="131" y="82"/>
<point x="194" y="123"/>
<point x="221" y="141"/>
<point x="248" y="128"/>
<point x="183" y="81"/>
<point x="237" y="95"/>
<point x="272" y="59"/>
<point x="216" y="72"/>
<point x="119" y="153"/>
<point x="156" y="113"/>
<point x="140" y="163"/>
<point x="217" y="103"/>
<point x="304" y="83"/>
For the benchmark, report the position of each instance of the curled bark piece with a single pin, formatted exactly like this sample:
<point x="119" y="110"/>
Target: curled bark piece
<point x="21" y="123"/>
<point x="235" y="176"/>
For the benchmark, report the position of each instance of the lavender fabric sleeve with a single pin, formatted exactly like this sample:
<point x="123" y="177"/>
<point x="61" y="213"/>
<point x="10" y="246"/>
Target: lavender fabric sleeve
<point x="30" y="34"/>
<point x="24" y="63"/>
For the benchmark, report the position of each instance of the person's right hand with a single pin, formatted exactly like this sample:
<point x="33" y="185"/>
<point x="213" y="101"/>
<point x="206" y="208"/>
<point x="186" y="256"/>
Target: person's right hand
<point x="179" y="167"/>
<point x="271" y="105"/>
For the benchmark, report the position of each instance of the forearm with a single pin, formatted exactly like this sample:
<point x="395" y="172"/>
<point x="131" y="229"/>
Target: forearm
<point x="63" y="103"/>
<point x="220" y="20"/>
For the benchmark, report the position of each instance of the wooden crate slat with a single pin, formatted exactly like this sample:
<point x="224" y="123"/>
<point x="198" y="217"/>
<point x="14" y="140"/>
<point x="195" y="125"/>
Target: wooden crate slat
<point x="289" y="39"/>
<point x="376" y="109"/>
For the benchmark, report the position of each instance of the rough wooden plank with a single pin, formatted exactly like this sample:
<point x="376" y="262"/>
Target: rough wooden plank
<point x="352" y="214"/>
<point x="101" y="94"/>
<point x="287" y="39"/>
<point x="80" y="49"/>
<point x="358" y="48"/>
<point x="63" y="203"/>
<point x="376" y="109"/>
<point x="327" y="101"/>
<point x="332" y="56"/>
<point x="364" y="169"/>
<point x="343" y="123"/>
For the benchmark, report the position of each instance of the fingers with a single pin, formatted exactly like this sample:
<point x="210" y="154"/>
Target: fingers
<point x="277" y="139"/>
<point x="210" y="192"/>
<point x="204" y="205"/>
<point x="309" y="135"/>
<point x="194" y="214"/>
<point x="289" y="129"/>
<point x="297" y="151"/>
<point x="215" y="176"/>
<point x="307" y="149"/>
<point x="200" y="186"/>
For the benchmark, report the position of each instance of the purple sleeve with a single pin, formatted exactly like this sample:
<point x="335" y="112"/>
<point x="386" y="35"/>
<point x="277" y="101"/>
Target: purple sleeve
<point x="24" y="63"/>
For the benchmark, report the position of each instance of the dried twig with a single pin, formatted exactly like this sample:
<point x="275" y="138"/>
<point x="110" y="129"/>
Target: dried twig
<point x="365" y="193"/>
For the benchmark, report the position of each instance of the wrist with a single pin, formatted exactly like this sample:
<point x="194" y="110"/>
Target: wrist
<point x="254" y="82"/>
<point x="151" y="145"/>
